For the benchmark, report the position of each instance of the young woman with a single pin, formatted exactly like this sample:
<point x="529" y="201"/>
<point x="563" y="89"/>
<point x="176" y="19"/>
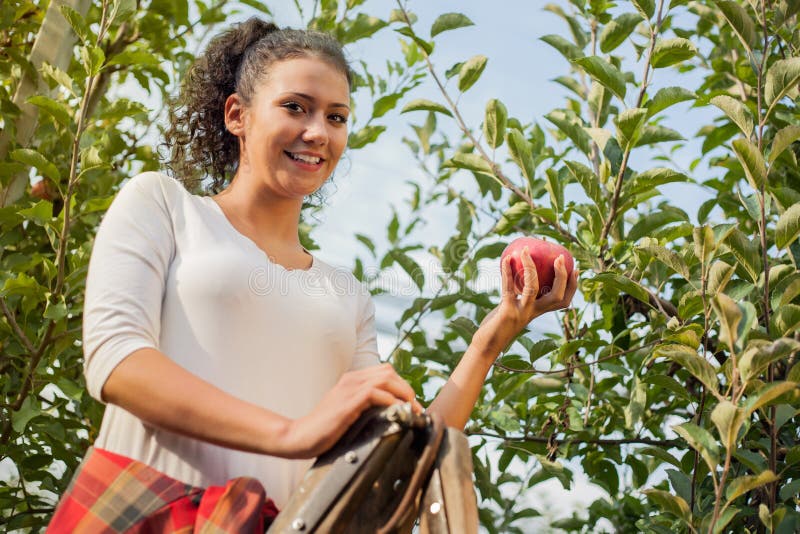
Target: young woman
<point x="223" y="348"/>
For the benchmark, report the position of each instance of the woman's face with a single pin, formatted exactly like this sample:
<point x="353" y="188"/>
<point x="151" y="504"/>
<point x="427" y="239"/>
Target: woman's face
<point x="295" y="129"/>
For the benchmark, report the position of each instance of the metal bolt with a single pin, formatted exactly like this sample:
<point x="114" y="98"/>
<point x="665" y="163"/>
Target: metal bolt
<point x="298" y="524"/>
<point x="436" y="507"/>
<point x="350" y="457"/>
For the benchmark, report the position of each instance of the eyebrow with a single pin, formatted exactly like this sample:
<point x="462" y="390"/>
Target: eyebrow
<point x="312" y="99"/>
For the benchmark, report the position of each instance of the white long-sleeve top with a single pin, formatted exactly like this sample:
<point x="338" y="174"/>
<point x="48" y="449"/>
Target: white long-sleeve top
<point x="168" y="271"/>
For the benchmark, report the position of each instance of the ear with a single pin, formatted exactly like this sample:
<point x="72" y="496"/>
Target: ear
<point x="234" y="115"/>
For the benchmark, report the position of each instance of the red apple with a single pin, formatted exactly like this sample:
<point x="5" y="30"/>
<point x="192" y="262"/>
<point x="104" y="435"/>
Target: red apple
<point x="543" y="254"/>
<point x="44" y="190"/>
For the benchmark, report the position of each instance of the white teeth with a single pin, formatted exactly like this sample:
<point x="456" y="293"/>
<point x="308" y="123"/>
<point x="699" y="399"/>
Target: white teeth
<point x="306" y="159"/>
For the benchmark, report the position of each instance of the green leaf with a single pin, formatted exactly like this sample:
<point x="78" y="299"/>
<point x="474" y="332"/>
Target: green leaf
<point x="362" y="27"/>
<point x="746" y="252"/>
<point x="617" y="30"/>
<point x="740" y="486"/>
<point x="666" y="97"/>
<point x="783" y="140"/>
<point x="470" y="162"/>
<point x="703" y="243"/>
<point x="93" y="59"/>
<point x="669" y="258"/>
<point x="410" y="266"/>
<point x="690" y="360"/>
<point x="646" y="7"/>
<point x="700" y="440"/>
<point x="652" y="178"/>
<point x="669" y="503"/>
<point x="511" y="217"/>
<point x="450" y="21"/>
<point x="566" y="48"/>
<point x="570" y="128"/>
<point x="788" y="226"/>
<point x="760" y="354"/>
<point x="736" y="111"/>
<point x="718" y="276"/>
<point x="623" y="284"/>
<point x="521" y="152"/>
<point x="636" y="404"/>
<point x="728" y="419"/>
<point x="588" y="179"/>
<point x="661" y="454"/>
<point x="629" y="125"/>
<point x="33" y="158"/>
<point x="366" y="135"/>
<point x="725" y="517"/>
<point x="740" y="21"/>
<point x="729" y="315"/>
<point x="58" y="110"/>
<point x="655" y="133"/>
<point x="668" y="52"/>
<point x="782" y="77"/>
<point x="29" y="409"/>
<point x="422" y="104"/>
<point x="786" y="320"/>
<point x="470" y="71"/>
<point x="604" y="73"/>
<point x="60" y="77"/>
<point x="767" y="395"/>
<point x="494" y="123"/>
<point x="77" y="23"/>
<point x="385" y="104"/>
<point x="422" y="43"/>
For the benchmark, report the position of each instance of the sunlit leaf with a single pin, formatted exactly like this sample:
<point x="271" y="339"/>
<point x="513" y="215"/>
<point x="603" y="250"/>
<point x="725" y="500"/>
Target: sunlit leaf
<point x="494" y="122"/>
<point x="449" y="21"/>
<point x="736" y="111"/>
<point x="740" y="486"/>
<point x="604" y="73"/>
<point x="422" y="104"/>
<point x="782" y="77"/>
<point x="783" y="140"/>
<point x="671" y="51"/>
<point x="470" y="71"/>
<point x="617" y="30"/>
<point x="788" y="227"/>
<point x="666" y="97"/>
<point x="743" y="25"/>
<point x="700" y="440"/>
<point x="690" y="360"/>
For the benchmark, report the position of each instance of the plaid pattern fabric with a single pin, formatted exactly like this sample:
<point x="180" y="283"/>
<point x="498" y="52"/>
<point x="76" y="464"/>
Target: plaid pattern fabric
<point x="111" y="493"/>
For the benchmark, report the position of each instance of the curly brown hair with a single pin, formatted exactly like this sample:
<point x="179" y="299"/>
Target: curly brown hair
<point x="235" y="61"/>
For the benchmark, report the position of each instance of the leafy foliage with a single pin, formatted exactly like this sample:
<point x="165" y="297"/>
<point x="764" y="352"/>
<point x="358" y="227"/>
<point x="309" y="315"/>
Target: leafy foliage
<point x="672" y="385"/>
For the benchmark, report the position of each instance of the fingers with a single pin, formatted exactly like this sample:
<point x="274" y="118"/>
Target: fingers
<point x="381" y="385"/>
<point x="531" y="276"/>
<point x="507" y="279"/>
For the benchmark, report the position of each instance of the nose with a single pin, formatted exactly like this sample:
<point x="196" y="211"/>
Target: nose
<point x="316" y="131"/>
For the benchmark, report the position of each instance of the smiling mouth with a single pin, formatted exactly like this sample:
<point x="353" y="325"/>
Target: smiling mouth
<point x="302" y="158"/>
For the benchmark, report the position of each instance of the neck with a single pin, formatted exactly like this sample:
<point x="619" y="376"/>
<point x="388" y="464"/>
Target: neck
<point x="273" y="219"/>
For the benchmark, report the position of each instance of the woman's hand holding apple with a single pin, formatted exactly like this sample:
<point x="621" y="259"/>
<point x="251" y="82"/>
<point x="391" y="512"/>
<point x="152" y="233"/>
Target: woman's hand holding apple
<point x="518" y="308"/>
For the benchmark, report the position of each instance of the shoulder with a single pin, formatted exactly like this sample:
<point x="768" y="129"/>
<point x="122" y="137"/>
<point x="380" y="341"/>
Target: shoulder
<point x="153" y="182"/>
<point x="153" y="189"/>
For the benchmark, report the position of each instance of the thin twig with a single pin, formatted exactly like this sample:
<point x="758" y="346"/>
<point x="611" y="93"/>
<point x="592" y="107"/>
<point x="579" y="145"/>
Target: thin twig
<point x="667" y="443"/>
<point x="575" y="366"/>
<point x="15" y="326"/>
<point x="612" y="214"/>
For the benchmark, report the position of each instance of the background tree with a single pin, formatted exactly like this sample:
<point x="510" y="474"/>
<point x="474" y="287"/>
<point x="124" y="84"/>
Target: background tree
<point x="672" y="385"/>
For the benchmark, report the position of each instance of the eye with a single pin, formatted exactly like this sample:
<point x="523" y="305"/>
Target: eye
<point x="294" y="107"/>
<point x="338" y="118"/>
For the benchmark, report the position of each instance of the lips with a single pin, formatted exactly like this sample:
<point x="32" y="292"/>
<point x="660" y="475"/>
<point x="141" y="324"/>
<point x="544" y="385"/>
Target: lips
<point x="304" y="158"/>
